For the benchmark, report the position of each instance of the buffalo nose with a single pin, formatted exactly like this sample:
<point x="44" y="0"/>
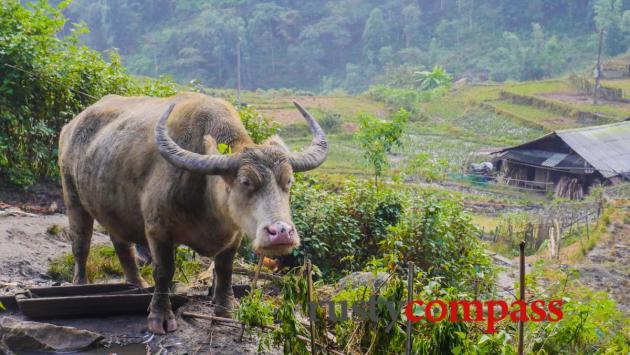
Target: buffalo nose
<point x="280" y="233"/>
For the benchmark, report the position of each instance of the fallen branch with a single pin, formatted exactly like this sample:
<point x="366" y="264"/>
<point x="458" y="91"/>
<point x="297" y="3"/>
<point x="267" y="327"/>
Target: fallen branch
<point x="252" y="273"/>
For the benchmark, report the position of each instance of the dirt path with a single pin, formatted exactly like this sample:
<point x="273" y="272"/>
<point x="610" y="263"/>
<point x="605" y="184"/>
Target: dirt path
<point x="607" y="266"/>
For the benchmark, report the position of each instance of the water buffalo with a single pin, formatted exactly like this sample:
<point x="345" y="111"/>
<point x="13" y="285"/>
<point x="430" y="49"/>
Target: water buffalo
<point x="149" y="171"/>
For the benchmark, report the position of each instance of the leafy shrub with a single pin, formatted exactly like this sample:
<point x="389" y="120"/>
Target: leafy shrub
<point x="416" y="87"/>
<point x="330" y="121"/>
<point x="427" y="167"/>
<point x="442" y="240"/>
<point x="591" y="322"/>
<point x="344" y="228"/>
<point x="396" y="98"/>
<point x="340" y="227"/>
<point x="47" y="79"/>
<point x="256" y="312"/>
<point x="258" y="126"/>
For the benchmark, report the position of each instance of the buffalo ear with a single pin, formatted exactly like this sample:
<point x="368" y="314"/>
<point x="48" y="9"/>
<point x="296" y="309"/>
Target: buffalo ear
<point x="210" y="144"/>
<point x="276" y="141"/>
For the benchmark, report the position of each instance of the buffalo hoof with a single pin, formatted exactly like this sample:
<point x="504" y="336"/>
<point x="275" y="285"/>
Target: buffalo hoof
<point x="162" y="322"/>
<point x="76" y="280"/>
<point x="224" y="308"/>
<point x="140" y="282"/>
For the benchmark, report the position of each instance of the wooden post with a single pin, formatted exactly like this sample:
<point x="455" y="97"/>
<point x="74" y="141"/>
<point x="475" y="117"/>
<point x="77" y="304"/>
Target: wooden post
<point x="558" y="237"/>
<point x="496" y="233"/>
<point x="521" y="324"/>
<point x="309" y="280"/>
<point x="588" y="232"/>
<point x="409" y="299"/>
<point x="598" y="69"/>
<point x="238" y="72"/>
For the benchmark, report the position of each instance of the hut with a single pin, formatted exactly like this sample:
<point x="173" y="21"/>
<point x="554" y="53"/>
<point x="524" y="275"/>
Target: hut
<point x="568" y="162"/>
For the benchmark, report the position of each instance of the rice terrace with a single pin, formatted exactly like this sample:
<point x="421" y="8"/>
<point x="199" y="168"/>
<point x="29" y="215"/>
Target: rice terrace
<point x="315" y="177"/>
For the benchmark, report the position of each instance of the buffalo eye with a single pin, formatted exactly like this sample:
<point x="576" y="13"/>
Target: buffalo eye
<point x="246" y="182"/>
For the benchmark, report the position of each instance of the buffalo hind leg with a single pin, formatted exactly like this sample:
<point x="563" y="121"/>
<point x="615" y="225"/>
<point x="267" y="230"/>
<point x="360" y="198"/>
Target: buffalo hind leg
<point x="161" y="318"/>
<point x="79" y="230"/>
<point x="223" y="296"/>
<point x="127" y="256"/>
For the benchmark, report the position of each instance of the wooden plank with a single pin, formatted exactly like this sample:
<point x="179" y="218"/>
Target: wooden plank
<point x="77" y="290"/>
<point x="90" y="305"/>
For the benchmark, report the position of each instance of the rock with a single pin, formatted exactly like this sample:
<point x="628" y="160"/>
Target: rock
<point x="22" y="336"/>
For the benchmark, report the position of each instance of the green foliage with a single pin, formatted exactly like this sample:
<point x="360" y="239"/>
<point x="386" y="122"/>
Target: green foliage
<point x="47" y="78"/>
<point x="591" y="322"/>
<point x="377" y="138"/>
<point x="330" y="121"/>
<point x="406" y="87"/>
<point x="103" y="264"/>
<point x="442" y="240"/>
<point x="256" y="312"/>
<point x="258" y="126"/>
<point x="429" y="80"/>
<point x="293" y="291"/>
<point x="324" y="44"/>
<point x="427" y="167"/>
<point x="341" y="226"/>
<point x="407" y="99"/>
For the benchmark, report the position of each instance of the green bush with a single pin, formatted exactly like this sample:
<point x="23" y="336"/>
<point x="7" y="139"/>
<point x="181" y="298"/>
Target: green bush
<point x="344" y="228"/>
<point x="330" y="121"/>
<point x="48" y="78"/>
<point x="341" y="226"/>
<point x="427" y="167"/>
<point x="441" y="239"/>
<point x="258" y="126"/>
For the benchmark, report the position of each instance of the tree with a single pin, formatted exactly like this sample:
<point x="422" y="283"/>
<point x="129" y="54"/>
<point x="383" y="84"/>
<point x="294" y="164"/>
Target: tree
<point x="374" y="35"/>
<point x="377" y="138"/>
<point x="610" y="17"/>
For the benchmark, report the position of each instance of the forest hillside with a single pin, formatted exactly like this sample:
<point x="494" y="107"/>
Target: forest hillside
<point x="322" y="45"/>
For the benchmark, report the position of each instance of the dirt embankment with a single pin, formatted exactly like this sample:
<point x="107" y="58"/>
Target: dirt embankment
<point x="607" y="266"/>
<point x="28" y="244"/>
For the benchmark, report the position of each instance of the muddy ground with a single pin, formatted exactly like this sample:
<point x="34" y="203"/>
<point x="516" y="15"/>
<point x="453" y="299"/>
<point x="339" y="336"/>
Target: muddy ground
<point x="27" y="247"/>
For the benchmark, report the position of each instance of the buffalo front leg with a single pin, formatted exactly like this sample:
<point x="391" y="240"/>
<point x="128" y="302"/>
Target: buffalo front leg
<point x="161" y="318"/>
<point x="223" y="296"/>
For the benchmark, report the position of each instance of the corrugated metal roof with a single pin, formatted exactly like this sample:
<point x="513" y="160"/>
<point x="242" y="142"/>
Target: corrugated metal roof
<point x="554" y="159"/>
<point x="530" y="156"/>
<point x="607" y="147"/>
